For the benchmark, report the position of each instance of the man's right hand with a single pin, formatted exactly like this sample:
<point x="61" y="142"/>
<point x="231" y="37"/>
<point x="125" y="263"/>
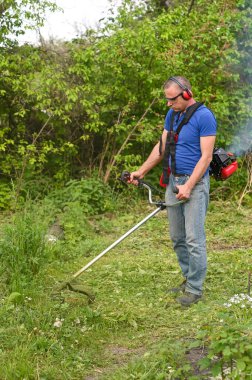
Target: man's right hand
<point x="134" y="176"/>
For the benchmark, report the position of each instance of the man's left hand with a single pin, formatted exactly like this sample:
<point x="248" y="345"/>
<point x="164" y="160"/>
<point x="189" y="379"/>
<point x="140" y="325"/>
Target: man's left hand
<point x="184" y="192"/>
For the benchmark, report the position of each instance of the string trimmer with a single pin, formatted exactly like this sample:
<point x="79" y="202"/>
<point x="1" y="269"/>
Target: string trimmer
<point x="161" y="205"/>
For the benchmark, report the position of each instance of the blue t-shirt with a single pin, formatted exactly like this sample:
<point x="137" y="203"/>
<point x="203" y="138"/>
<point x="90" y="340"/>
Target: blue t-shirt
<point x="188" y="152"/>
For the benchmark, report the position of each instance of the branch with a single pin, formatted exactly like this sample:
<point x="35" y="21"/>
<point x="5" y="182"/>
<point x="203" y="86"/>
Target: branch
<point x="190" y="7"/>
<point x="25" y="161"/>
<point x="108" y="171"/>
<point x="108" y="145"/>
<point x="3" y="8"/>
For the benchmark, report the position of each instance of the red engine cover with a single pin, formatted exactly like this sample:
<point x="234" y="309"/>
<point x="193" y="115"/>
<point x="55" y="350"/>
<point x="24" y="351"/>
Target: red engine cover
<point x="229" y="170"/>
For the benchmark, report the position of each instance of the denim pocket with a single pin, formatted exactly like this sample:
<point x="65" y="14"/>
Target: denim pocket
<point x="181" y="180"/>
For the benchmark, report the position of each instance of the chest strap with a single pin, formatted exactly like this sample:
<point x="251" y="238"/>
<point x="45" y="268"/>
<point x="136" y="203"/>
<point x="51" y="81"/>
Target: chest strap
<point x="172" y="138"/>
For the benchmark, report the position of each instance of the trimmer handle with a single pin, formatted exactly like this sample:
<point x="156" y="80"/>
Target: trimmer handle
<point x="174" y="188"/>
<point x="125" y="177"/>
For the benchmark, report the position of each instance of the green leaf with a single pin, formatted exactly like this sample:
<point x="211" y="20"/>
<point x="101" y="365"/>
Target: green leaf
<point x="241" y="365"/>
<point x="205" y="363"/>
<point x="195" y="344"/>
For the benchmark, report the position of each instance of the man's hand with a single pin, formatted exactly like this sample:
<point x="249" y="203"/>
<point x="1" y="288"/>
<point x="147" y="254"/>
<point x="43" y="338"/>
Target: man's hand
<point x="184" y="192"/>
<point x="134" y="176"/>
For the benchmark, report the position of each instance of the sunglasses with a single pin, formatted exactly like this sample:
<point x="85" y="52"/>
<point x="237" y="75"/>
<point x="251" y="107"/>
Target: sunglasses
<point x="172" y="99"/>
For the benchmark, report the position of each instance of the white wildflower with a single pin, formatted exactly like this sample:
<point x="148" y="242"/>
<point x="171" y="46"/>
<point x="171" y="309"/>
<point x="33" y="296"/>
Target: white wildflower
<point x="77" y="321"/>
<point x="58" y="322"/>
<point x="244" y="300"/>
<point x="51" y="238"/>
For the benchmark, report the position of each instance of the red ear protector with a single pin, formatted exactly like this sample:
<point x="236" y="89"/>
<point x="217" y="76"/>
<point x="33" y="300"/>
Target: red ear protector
<point x="186" y="94"/>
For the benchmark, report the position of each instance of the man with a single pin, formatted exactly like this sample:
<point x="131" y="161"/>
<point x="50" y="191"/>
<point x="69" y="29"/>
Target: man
<point x="189" y="165"/>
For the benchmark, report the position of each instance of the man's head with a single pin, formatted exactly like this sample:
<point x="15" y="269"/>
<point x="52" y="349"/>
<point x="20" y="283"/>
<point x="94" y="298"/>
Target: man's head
<point x="178" y="93"/>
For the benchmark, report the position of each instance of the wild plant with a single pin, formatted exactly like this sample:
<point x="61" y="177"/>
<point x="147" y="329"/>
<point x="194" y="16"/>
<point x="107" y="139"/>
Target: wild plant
<point x="23" y="248"/>
<point x="229" y="343"/>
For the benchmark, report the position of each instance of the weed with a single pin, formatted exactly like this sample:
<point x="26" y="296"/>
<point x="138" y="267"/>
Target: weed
<point x="229" y="342"/>
<point x="23" y="248"/>
<point x="134" y="329"/>
<point x="90" y="195"/>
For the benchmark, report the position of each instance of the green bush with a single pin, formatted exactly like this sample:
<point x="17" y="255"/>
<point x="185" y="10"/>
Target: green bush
<point x="6" y="197"/>
<point x="91" y="195"/>
<point x="73" y="204"/>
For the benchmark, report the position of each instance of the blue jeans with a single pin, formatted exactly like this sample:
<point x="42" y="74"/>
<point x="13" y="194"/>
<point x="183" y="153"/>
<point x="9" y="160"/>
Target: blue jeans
<point x="187" y="232"/>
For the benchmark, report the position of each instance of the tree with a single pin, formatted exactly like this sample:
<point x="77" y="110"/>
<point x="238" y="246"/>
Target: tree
<point x="96" y="103"/>
<point x="18" y="15"/>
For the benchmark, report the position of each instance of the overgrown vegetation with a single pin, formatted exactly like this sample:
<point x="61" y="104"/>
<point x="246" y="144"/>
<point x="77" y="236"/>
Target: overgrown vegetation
<point x="72" y="116"/>
<point x="96" y="103"/>
<point x="134" y="329"/>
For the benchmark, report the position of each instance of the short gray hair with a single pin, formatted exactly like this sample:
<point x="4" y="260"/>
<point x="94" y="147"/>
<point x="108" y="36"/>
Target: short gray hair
<point x="185" y="82"/>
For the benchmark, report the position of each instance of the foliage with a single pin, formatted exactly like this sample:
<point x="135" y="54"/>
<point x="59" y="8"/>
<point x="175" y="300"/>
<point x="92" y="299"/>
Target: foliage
<point x="159" y="364"/>
<point x="90" y="195"/>
<point x="6" y="196"/>
<point x="93" y="106"/>
<point x="134" y="329"/>
<point x="229" y="346"/>
<point x="23" y="248"/>
<point x="16" y="16"/>
<point x="96" y="102"/>
<point x="77" y="201"/>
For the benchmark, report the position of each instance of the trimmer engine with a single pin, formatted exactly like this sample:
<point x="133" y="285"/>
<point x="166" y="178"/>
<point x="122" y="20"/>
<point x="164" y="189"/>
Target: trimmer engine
<point x="223" y="164"/>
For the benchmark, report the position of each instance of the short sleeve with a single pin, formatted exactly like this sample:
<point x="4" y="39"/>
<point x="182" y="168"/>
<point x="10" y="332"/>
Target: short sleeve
<point x="167" y="120"/>
<point x="207" y="123"/>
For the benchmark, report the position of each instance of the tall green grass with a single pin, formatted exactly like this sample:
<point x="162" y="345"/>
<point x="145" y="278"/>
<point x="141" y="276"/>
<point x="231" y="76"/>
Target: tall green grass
<point x="134" y="329"/>
<point x="23" y="248"/>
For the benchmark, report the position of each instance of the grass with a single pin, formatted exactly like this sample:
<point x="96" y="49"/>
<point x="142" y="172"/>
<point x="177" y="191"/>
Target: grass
<point x="134" y="329"/>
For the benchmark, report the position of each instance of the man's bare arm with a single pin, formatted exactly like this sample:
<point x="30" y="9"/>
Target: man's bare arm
<point x="154" y="158"/>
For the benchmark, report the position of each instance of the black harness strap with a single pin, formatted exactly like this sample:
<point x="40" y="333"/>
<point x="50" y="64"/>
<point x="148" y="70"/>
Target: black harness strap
<point x="172" y="138"/>
<point x="169" y="147"/>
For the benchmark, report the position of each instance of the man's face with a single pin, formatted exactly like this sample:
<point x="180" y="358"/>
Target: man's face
<point x="174" y="98"/>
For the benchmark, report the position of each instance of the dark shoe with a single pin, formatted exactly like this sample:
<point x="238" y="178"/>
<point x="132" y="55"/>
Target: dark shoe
<point x="188" y="299"/>
<point x="178" y="289"/>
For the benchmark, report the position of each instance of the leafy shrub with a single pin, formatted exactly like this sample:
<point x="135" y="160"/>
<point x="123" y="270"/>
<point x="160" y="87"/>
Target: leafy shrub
<point x="74" y="222"/>
<point x="229" y="344"/>
<point x="91" y="195"/>
<point x="73" y="204"/>
<point x="5" y="196"/>
<point x="37" y="187"/>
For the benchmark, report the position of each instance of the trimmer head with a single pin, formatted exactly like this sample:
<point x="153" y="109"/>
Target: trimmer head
<point x="77" y="289"/>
